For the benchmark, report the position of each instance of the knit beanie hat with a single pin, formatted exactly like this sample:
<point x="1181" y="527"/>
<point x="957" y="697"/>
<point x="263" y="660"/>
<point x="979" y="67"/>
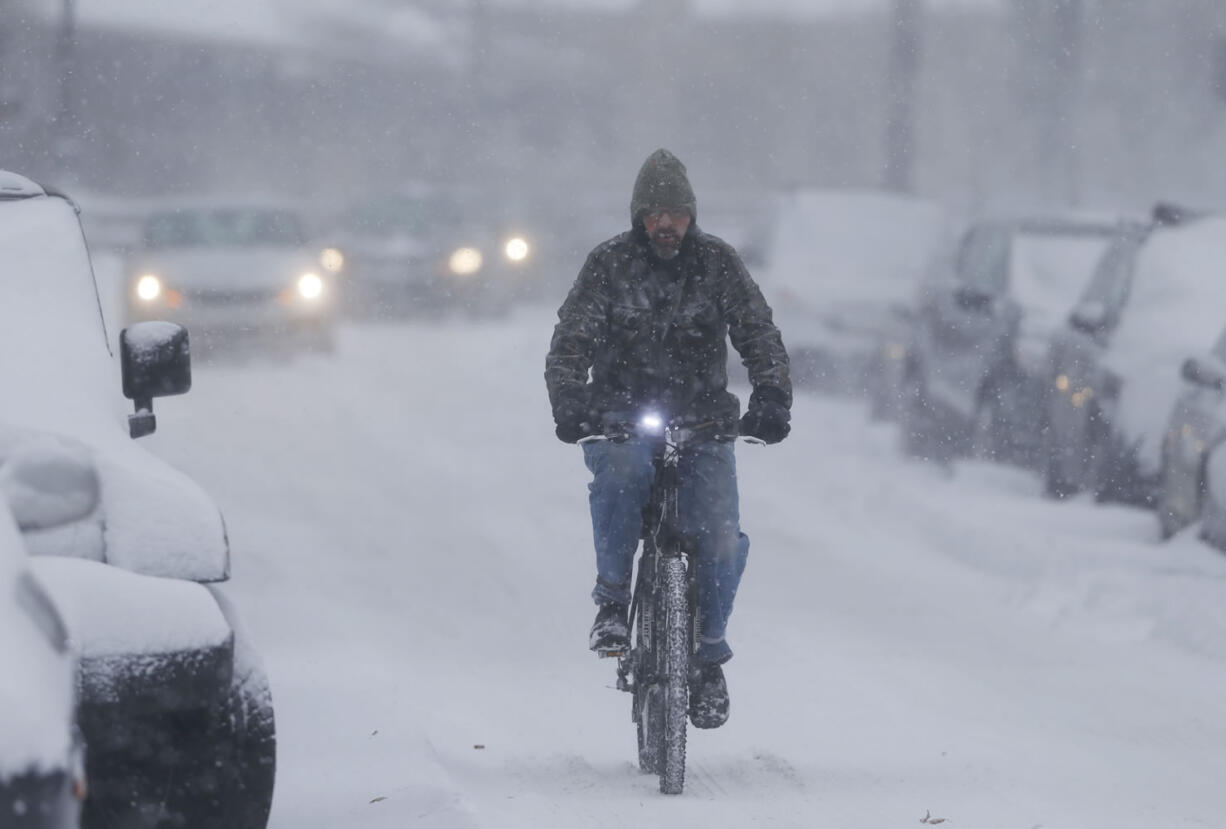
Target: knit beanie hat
<point x="662" y="182"/>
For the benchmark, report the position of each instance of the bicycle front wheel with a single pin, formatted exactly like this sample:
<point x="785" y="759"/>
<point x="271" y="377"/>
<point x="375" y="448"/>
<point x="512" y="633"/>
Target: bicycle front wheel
<point x="675" y="646"/>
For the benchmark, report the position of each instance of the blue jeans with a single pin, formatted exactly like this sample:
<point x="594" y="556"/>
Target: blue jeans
<point x="710" y="517"/>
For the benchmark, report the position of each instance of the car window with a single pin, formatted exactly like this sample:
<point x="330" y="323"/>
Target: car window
<point x="1219" y="347"/>
<point x="402" y="215"/>
<point x="223" y="228"/>
<point x="1112" y="278"/>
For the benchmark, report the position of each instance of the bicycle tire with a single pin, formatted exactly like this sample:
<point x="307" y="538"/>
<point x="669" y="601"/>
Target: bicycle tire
<point x="648" y="712"/>
<point x="674" y="644"/>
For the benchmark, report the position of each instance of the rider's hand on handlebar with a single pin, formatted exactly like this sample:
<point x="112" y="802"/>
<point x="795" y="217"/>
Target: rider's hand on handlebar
<point x="767" y="420"/>
<point x="572" y="420"/>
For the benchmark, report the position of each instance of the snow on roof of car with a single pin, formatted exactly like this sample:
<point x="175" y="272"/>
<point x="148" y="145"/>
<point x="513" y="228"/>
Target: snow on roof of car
<point x="14" y="186"/>
<point x="1177" y="303"/>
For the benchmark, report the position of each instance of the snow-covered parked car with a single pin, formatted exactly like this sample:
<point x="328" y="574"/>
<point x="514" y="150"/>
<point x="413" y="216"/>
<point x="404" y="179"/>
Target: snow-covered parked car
<point x="1213" y="507"/>
<point x="1116" y="385"/>
<point x="975" y="363"/>
<point x="1197" y="425"/>
<point x="844" y="267"/>
<point x="173" y="705"/>
<point x="234" y="275"/>
<point x="42" y="773"/>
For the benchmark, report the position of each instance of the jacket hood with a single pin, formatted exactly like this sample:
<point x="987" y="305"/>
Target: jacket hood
<point x="662" y="182"/>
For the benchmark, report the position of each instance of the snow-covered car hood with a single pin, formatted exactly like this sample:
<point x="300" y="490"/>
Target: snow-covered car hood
<point x="60" y="379"/>
<point x="226" y="268"/>
<point x="37" y="695"/>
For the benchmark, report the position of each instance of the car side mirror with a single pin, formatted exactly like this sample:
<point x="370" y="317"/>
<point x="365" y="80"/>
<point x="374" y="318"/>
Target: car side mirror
<point x="156" y="362"/>
<point x="1202" y="374"/>
<point x="1089" y="318"/>
<point x="973" y="299"/>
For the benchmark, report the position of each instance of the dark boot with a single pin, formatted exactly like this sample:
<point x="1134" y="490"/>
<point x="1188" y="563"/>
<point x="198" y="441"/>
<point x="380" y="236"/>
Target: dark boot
<point x="708" y="697"/>
<point x="609" y="631"/>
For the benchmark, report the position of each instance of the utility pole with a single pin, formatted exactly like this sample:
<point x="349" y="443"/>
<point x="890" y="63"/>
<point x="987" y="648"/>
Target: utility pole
<point x="1050" y="37"/>
<point x="1059" y="140"/>
<point x="906" y="21"/>
<point x="65" y="138"/>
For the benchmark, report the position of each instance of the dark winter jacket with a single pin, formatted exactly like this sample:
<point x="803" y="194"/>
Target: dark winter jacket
<point x="654" y="332"/>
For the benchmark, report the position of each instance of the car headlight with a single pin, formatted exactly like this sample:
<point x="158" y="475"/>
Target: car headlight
<point x="332" y="260"/>
<point x="517" y="249"/>
<point x="148" y="287"/>
<point x="465" y="261"/>
<point x="310" y="286"/>
<point x="1062" y="382"/>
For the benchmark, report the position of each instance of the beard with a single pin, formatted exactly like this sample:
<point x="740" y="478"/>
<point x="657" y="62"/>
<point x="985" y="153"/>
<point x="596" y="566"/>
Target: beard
<point x="666" y="245"/>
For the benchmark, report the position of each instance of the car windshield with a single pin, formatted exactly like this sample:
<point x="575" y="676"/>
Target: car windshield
<point x="223" y="228"/>
<point x="1048" y="271"/>
<point x="1219" y="347"/>
<point x="402" y="216"/>
<point x="1112" y="277"/>
<point x="983" y="262"/>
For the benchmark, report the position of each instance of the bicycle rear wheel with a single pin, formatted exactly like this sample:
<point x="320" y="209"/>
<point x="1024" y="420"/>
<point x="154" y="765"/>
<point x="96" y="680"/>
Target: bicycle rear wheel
<point x="675" y="647"/>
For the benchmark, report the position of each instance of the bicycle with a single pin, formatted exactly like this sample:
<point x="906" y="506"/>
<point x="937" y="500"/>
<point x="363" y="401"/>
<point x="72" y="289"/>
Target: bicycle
<point x="664" y="612"/>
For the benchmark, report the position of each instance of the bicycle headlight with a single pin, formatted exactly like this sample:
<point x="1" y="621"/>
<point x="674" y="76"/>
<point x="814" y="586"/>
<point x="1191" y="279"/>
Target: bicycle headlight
<point x="148" y="287"/>
<point x="651" y="423"/>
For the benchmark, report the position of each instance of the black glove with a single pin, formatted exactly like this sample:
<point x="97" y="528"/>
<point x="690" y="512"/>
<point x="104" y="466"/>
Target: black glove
<point x="572" y="417"/>
<point x="768" y="418"/>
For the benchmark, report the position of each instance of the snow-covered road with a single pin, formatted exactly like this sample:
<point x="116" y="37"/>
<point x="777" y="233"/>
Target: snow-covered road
<point x="412" y="554"/>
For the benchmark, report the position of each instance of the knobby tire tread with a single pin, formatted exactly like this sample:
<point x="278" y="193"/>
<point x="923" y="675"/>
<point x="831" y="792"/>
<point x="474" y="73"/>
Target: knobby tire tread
<point x="673" y="632"/>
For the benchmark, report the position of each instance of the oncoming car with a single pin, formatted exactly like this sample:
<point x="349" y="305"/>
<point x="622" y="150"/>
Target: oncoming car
<point x="423" y="251"/>
<point x="232" y="274"/>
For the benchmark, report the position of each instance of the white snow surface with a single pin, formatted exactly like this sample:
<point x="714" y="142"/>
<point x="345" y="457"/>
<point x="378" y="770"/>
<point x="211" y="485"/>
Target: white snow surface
<point x="412" y="554"/>
<point x="36" y="694"/>
<point x="1176" y="310"/>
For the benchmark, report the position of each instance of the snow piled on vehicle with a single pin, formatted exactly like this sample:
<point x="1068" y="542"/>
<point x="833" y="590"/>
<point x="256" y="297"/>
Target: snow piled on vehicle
<point x="1176" y="310"/>
<point x="37" y="692"/>
<point x="100" y="604"/>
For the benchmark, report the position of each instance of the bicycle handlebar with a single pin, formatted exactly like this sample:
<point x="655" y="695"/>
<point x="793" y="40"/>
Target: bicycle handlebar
<point x="680" y="431"/>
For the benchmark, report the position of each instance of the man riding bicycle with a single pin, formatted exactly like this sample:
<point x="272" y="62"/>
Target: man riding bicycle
<point x="649" y="317"/>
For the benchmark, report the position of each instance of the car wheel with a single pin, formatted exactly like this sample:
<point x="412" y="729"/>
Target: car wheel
<point x="1056" y="483"/>
<point x="986" y="439"/>
<point x="246" y="737"/>
<point x="921" y="437"/>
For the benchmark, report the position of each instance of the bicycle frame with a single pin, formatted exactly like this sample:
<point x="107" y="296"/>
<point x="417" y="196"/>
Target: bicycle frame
<point x="664" y="612"/>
